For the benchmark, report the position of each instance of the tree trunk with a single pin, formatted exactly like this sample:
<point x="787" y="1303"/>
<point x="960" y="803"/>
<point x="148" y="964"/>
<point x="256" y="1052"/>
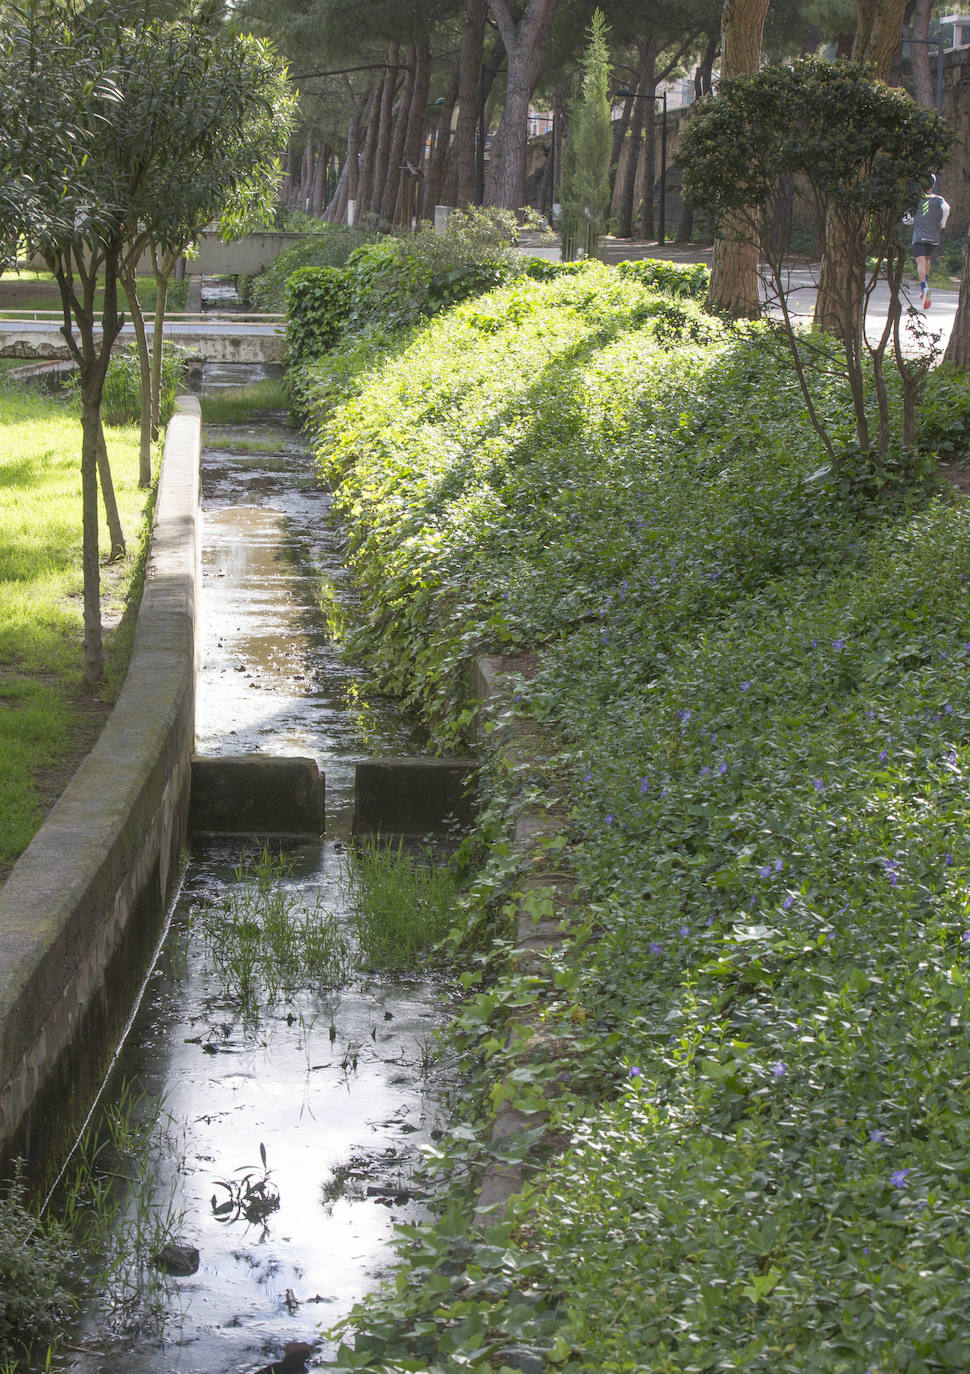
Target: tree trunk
<point x="365" y="187"/>
<point x="91" y="569"/>
<point x="162" y="274"/>
<point x="116" y="534"/>
<point x="734" y="269"/>
<point x="878" y="32"/>
<point x="642" y="114"/>
<point x="469" y="77"/>
<point x="319" y="182"/>
<point x="919" y="53"/>
<point x="413" y="155"/>
<point x="392" y="185"/>
<point x="385" y="114"/>
<point x="958" y="348"/>
<point x="648" y="92"/>
<point x="525" y="41"/>
<point x="336" y="211"/>
<point x="441" y="155"/>
<point x="145" y="372"/>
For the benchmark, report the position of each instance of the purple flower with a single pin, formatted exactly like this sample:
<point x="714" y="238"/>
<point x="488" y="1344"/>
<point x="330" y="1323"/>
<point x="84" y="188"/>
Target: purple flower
<point x="898" y="1179"/>
<point x="656" y="949"/>
<point x="838" y="644"/>
<point x="723" y="768"/>
<point x="966" y="937"/>
<point x="635" y="1072"/>
<point x="684" y="931"/>
<point x="789" y="902"/>
<point x="892" y="871"/>
<point x="948" y="710"/>
<point x="705" y="770"/>
<point x="610" y="818"/>
<point x="876" y="1136"/>
<point x="644" y="786"/>
<point x="746" y="686"/>
<point x="779" y="865"/>
<point x="948" y="860"/>
<point x="883" y="755"/>
<point x="818" y="784"/>
<point x="764" y="872"/>
<point x="779" y="1068"/>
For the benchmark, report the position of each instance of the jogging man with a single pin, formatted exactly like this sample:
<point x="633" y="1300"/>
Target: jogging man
<point x="929" y="220"/>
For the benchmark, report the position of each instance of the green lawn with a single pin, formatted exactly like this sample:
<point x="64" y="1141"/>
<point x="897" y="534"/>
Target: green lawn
<point x="47" y="720"/>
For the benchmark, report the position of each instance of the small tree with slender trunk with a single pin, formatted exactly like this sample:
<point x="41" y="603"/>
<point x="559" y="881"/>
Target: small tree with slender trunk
<point x="862" y="148"/>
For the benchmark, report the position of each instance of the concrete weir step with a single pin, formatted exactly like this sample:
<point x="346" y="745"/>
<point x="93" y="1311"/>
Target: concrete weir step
<point x="412" y="797"/>
<point x="259" y="794"/>
<point x="245" y="794"/>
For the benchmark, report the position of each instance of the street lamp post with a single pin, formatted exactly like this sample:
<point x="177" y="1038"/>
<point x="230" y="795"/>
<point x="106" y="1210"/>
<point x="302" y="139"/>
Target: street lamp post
<point x="662" y="217"/>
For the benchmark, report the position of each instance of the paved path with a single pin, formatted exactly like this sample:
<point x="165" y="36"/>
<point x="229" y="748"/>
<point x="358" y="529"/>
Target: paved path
<point x="801" y="295"/>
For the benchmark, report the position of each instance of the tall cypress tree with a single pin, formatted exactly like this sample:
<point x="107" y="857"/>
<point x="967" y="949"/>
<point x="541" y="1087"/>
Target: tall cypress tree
<point x="586" y="155"/>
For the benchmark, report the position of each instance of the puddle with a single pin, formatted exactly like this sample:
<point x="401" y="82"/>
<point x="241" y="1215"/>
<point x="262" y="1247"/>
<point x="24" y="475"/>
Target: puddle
<point x="288" y="1140"/>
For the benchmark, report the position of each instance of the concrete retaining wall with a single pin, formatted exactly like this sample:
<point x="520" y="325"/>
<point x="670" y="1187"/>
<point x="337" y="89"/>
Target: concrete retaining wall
<point x="82" y="910"/>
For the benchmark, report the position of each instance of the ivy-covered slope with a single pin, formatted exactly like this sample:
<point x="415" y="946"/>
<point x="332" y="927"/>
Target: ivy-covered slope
<point x="758" y="683"/>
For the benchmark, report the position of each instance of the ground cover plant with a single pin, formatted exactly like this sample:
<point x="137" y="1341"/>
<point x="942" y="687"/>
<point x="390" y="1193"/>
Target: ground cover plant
<point x="46" y="719"/>
<point x="754" y="682"/>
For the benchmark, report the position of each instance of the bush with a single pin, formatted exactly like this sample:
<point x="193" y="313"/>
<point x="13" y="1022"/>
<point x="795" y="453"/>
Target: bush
<point x="121" y="399"/>
<point x="34" y="1257"/>
<point x="673" y="278"/>
<point x="329" y="245"/>
<point x="393" y="281"/>
<point x="317" y="309"/>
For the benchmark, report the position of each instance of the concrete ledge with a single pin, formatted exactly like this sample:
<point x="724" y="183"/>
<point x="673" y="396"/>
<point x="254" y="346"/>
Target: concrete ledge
<point x="246" y="794"/>
<point x="411" y="797"/>
<point x="81" y="911"/>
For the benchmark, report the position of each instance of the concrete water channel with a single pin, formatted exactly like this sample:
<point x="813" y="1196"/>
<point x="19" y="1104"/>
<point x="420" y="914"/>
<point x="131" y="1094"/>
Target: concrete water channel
<point x="279" y="1144"/>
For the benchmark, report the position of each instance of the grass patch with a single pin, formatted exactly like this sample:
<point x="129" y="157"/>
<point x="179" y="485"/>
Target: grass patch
<point x="402" y="902"/>
<point x="755" y="687"/>
<point x="39" y="291"/>
<point x="240" y="403"/>
<point x="264" y="943"/>
<point x="47" y="718"/>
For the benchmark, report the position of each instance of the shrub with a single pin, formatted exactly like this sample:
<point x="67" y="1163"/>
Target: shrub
<point x="328" y="245"/>
<point x="121" y="398"/>
<point x="317" y="309"/>
<point x="34" y="1257"/>
<point x="673" y="278"/>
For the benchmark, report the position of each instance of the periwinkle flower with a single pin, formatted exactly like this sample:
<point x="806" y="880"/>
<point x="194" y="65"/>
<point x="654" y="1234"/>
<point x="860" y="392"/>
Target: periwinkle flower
<point x="779" y="1068"/>
<point x="898" y="1179"/>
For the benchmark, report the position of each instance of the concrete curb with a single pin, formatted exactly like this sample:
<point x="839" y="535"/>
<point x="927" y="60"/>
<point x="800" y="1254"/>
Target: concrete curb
<point x="542" y="921"/>
<point x="81" y="911"/>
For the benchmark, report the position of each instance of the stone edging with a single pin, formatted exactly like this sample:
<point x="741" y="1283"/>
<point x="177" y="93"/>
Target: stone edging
<point x="542" y="916"/>
<point x="81" y="911"/>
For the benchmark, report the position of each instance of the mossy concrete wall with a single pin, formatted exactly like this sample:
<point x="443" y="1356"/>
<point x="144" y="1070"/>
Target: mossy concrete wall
<point x="82" y="910"/>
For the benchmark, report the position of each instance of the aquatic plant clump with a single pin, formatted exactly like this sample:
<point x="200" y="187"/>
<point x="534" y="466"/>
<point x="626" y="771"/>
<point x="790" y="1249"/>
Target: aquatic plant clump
<point x="402" y="904"/>
<point x="264" y="942"/>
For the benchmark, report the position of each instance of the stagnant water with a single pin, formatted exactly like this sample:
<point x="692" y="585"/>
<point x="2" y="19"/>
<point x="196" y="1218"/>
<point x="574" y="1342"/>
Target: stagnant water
<point x="284" y="1145"/>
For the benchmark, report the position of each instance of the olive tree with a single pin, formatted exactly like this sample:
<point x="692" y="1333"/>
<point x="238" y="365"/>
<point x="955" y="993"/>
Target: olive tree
<point x="206" y="113"/>
<point x="860" y="149"/>
<point x="92" y="144"/>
